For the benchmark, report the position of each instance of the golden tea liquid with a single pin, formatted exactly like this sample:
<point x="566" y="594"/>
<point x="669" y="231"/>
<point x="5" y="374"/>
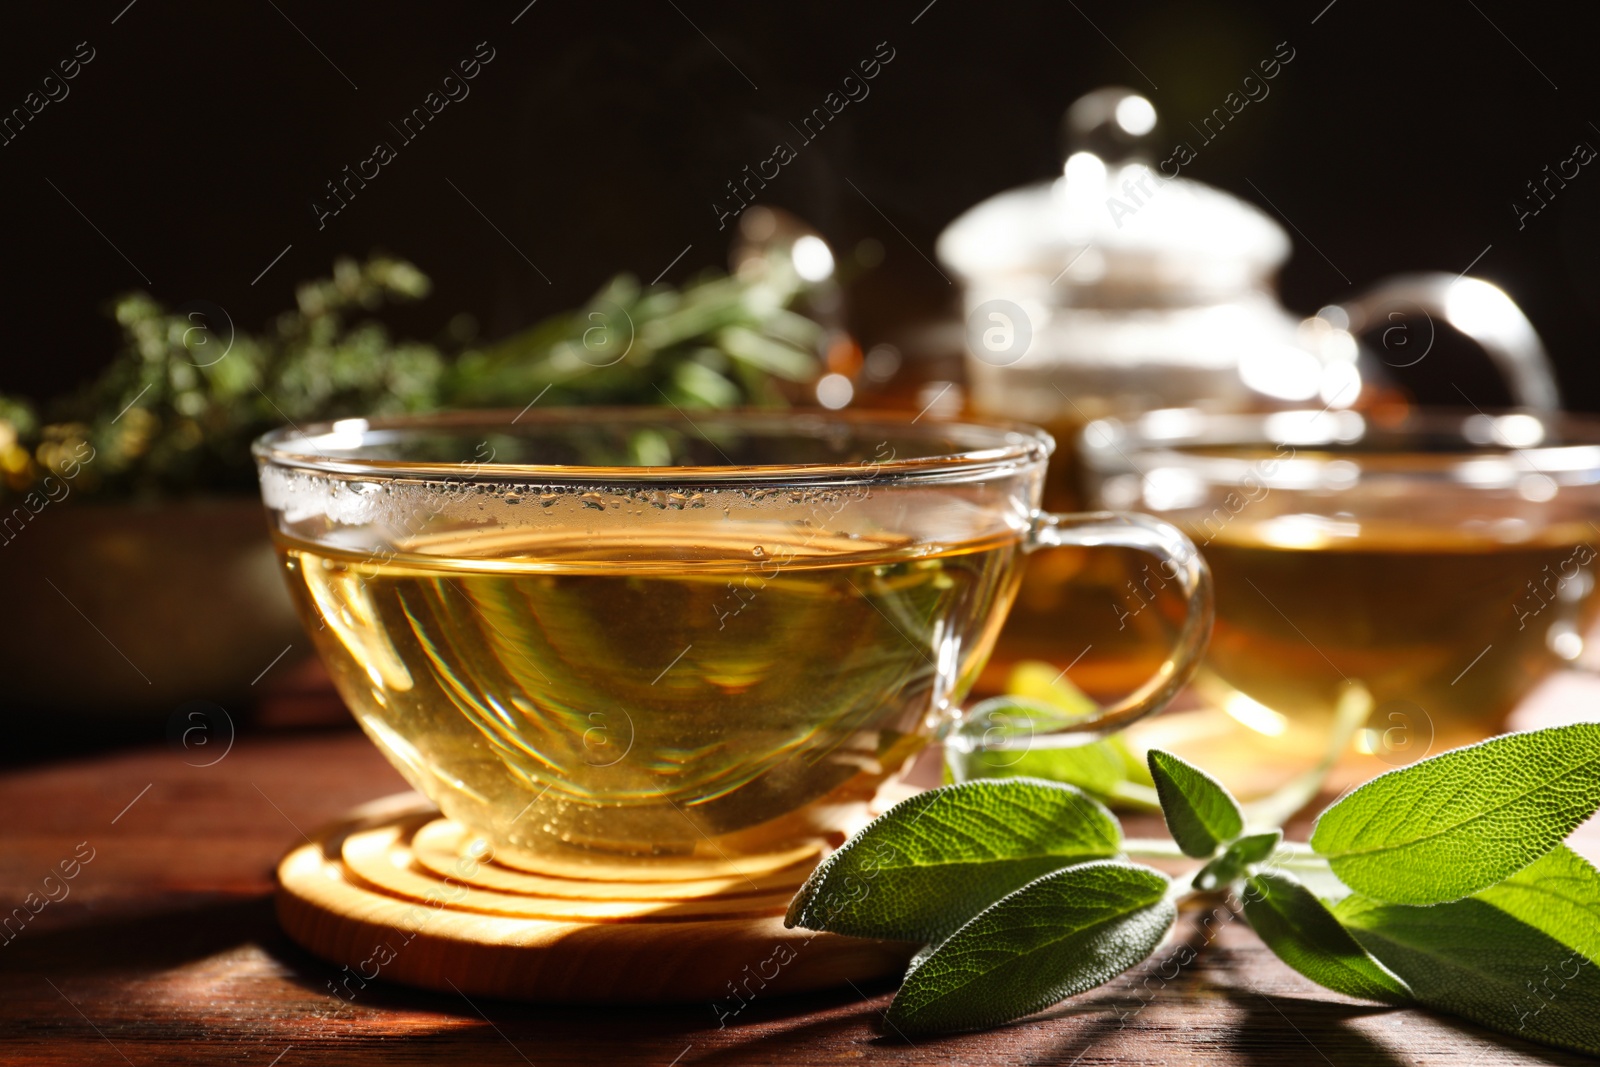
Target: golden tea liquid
<point x="1439" y="631"/>
<point x="1082" y="608"/>
<point x="706" y="691"/>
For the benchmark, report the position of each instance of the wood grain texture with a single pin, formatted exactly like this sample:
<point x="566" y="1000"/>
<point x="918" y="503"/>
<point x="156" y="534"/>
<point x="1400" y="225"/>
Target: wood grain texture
<point x="357" y="897"/>
<point x="165" y="949"/>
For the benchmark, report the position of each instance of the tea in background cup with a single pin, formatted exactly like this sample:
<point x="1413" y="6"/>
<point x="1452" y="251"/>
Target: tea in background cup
<point x="593" y="634"/>
<point x="1423" y="572"/>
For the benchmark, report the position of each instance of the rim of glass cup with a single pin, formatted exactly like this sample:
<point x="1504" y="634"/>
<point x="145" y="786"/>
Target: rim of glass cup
<point x="974" y="447"/>
<point x="1470" y="447"/>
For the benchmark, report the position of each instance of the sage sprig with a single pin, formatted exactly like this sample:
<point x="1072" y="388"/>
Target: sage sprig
<point x="1446" y="827"/>
<point x="1443" y="885"/>
<point x="937" y="859"/>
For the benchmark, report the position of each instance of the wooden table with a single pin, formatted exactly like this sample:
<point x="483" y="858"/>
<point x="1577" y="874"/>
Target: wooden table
<point x="164" y="950"/>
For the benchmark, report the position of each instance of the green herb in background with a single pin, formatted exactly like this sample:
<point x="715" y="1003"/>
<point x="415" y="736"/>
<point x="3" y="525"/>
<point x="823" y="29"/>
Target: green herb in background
<point x="1456" y="892"/>
<point x="177" y="409"/>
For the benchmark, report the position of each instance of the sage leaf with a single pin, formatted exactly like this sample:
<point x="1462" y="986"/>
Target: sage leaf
<point x="1236" y="859"/>
<point x="1200" y="812"/>
<point x="1037" y="680"/>
<point x="1303" y="933"/>
<point x="1057" y="936"/>
<point x="1448" y="826"/>
<point x="1097" y="767"/>
<point x="1254" y="848"/>
<point x="930" y="863"/>
<point x="1039" y="700"/>
<point x="1471" y="959"/>
<point x="1558" y="894"/>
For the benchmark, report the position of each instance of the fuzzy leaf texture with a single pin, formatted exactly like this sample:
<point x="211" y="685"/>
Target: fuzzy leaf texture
<point x="1471" y="959"/>
<point x="1448" y="826"/>
<point x="1058" y="936"/>
<point x="1559" y="894"/>
<point x="1201" y="814"/>
<point x="930" y="863"/>
<point x="1300" y="930"/>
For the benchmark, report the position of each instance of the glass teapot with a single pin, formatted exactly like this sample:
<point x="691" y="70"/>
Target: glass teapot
<point x="1122" y="287"/>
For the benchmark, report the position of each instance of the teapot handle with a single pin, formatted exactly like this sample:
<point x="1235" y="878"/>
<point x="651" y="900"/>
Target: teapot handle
<point x="1477" y="308"/>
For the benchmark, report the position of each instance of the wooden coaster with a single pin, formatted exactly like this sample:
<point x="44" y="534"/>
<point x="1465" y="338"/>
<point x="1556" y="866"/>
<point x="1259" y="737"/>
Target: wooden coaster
<point x="441" y="845"/>
<point x="658" y="869"/>
<point x="395" y="892"/>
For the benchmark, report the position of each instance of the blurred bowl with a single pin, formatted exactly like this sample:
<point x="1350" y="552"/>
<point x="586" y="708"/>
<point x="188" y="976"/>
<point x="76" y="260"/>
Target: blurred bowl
<point x="129" y="610"/>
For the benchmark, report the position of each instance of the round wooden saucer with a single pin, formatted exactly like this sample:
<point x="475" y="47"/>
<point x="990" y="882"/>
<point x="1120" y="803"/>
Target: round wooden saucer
<point x="396" y="892"/>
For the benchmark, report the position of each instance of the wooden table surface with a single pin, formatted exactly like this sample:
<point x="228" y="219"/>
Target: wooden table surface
<point x="164" y="950"/>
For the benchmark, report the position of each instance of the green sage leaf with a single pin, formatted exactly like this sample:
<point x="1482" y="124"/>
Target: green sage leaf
<point x="1200" y="812"/>
<point x="1303" y="933"/>
<point x="1471" y="959"/>
<point x="1254" y="848"/>
<point x="1097" y="768"/>
<point x="1040" y="700"/>
<point x="1060" y="935"/>
<point x="1236" y="860"/>
<point x="930" y="863"/>
<point x="1037" y="680"/>
<point x="1448" y="826"/>
<point x="1558" y="894"/>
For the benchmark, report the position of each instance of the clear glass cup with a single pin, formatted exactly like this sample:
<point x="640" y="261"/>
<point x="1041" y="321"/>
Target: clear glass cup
<point x="1415" y="574"/>
<point x="592" y="633"/>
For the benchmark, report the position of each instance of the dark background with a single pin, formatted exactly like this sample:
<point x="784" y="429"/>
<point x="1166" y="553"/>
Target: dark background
<point x="600" y="134"/>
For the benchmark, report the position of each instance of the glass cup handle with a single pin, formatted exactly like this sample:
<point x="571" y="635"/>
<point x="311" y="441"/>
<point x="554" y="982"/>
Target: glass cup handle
<point x="1015" y="723"/>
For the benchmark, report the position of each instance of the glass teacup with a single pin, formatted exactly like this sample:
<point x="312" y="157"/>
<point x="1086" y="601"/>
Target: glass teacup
<point x="1420" y="573"/>
<point x="590" y="634"/>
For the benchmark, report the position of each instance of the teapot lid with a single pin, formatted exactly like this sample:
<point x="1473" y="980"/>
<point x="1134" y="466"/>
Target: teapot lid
<point x="1117" y="222"/>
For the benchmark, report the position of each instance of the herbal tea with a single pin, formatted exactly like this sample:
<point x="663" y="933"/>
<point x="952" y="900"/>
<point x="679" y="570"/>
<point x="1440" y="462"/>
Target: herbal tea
<point x="1082" y="608"/>
<point x="710" y="691"/>
<point x="1442" y="630"/>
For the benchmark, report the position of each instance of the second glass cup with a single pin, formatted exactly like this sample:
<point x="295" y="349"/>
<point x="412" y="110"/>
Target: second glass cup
<point x="1420" y="573"/>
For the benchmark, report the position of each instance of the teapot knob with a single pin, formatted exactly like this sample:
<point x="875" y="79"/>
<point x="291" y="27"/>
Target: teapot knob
<point x="1116" y="124"/>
